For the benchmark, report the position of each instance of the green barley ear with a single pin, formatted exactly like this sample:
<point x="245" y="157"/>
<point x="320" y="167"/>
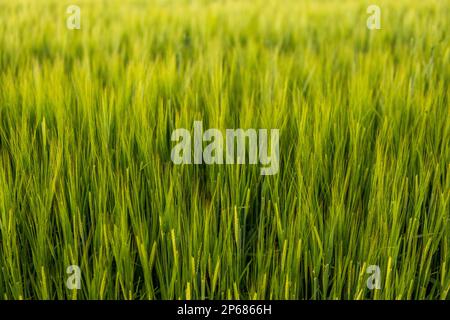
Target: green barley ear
<point x="236" y="227"/>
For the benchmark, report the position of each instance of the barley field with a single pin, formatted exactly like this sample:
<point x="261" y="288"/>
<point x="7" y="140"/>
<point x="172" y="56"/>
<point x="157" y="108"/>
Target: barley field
<point x="86" y="177"/>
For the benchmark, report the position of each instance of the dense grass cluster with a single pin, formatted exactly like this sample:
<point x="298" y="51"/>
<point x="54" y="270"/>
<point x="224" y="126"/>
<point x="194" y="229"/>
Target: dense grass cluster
<point x="86" y="177"/>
